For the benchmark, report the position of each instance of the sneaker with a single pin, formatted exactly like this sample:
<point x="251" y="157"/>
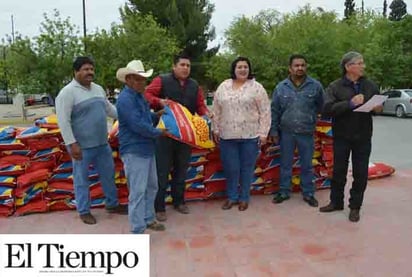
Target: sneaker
<point x="161" y="216"/>
<point x="311" y="200"/>
<point x="119" y="209"/>
<point x="88" y="218"/>
<point x="279" y="198"/>
<point x="182" y="208"/>
<point x="156" y="226"/>
<point x="354" y="215"/>
<point x="330" y="208"/>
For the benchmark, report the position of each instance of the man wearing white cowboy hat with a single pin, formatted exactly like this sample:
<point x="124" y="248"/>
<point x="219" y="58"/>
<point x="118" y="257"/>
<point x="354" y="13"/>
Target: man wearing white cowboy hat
<point x="137" y="138"/>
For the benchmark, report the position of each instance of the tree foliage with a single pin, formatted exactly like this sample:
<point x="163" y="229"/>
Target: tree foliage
<point x="188" y="21"/>
<point x="56" y="47"/>
<point x="385" y="8"/>
<point x="44" y="63"/>
<point x="398" y="10"/>
<point x="269" y="38"/>
<point x="349" y="8"/>
<point x="138" y="37"/>
<point x="22" y="67"/>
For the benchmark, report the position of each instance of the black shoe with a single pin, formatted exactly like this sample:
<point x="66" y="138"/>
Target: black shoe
<point x="119" y="209"/>
<point x="330" y="208"/>
<point x="279" y="198"/>
<point x="354" y="215"/>
<point x="88" y="218"/>
<point x="182" y="208"/>
<point x="228" y="205"/>
<point x="311" y="200"/>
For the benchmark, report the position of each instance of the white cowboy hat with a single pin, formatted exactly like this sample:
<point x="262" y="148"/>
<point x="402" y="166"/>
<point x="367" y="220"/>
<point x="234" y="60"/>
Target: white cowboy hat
<point x="133" y="67"/>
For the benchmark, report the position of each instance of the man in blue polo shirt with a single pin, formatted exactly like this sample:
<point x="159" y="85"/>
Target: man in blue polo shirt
<point x="137" y="138"/>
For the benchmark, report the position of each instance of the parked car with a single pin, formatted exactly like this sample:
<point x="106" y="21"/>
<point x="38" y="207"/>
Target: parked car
<point x="43" y="98"/>
<point x="399" y="102"/>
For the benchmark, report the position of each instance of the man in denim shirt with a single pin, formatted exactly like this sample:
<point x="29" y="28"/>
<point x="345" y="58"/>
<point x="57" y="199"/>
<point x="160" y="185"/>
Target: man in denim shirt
<point x="296" y="102"/>
<point x="137" y="138"/>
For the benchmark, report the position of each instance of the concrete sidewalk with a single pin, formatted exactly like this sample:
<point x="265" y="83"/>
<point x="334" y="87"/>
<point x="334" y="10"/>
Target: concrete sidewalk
<point x="289" y="239"/>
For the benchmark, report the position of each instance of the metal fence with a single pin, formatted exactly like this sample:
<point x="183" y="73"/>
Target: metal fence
<point x="4" y="100"/>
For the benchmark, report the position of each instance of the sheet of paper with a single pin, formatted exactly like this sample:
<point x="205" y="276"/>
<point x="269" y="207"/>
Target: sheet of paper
<point x="376" y="100"/>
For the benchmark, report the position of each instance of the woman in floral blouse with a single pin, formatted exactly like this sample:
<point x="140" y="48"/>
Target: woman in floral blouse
<point x="241" y="122"/>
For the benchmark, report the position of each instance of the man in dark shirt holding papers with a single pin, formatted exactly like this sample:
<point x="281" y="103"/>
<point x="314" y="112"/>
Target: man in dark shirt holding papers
<point x="352" y="132"/>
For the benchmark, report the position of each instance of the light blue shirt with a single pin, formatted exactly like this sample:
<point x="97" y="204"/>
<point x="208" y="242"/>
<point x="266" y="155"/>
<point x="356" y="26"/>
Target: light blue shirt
<point x="82" y="114"/>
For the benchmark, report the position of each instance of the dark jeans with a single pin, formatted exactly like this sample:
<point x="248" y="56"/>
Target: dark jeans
<point x="360" y="150"/>
<point x="174" y="156"/>
<point x="239" y="159"/>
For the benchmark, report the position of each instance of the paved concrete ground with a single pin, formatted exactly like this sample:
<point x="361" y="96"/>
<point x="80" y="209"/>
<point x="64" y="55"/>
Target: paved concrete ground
<point x="391" y="141"/>
<point x="290" y="239"/>
<point x="10" y="114"/>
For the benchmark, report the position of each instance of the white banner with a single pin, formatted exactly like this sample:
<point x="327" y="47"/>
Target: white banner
<point x="89" y="255"/>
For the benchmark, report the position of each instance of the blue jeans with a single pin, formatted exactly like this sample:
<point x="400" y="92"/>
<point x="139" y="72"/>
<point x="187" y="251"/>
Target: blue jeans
<point x="305" y="144"/>
<point x="239" y="159"/>
<point x="101" y="158"/>
<point x="142" y="181"/>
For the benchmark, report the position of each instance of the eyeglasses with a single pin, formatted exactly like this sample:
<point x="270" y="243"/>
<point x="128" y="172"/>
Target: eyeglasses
<point x="358" y="63"/>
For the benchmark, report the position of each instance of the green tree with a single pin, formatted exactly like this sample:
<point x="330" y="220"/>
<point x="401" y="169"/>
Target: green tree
<point x="218" y="68"/>
<point x="252" y="37"/>
<point x="3" y="66"/>
<point x="382" y="56"/>
<point x="398" y="10"/>
<point x="363" y="7"/>
<point x="138" y="37"/>
<point x="188" y="21"/>
<point x="269" y="38"/>
<point x="403" y="39"/>
<point x="349" y="8"/>
<point x="385" y="8"/>
<point x="56" y="47"/>
<point x="22" y="67"/>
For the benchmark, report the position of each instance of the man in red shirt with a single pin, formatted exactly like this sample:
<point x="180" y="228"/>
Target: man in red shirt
<point x="172" y="154"/>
